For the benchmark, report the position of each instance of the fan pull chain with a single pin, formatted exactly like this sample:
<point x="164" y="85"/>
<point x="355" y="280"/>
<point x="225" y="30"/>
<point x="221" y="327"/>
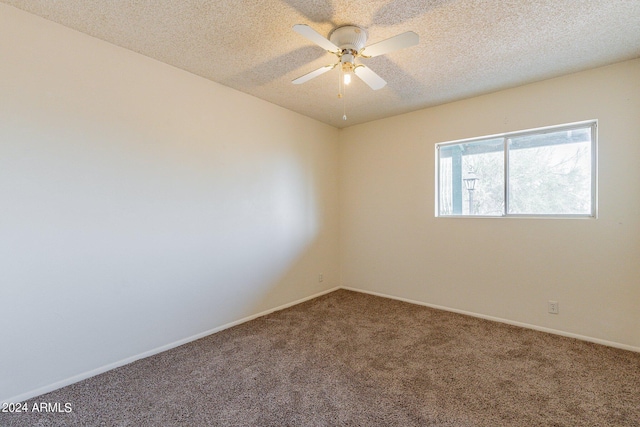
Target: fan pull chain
<point x="344" y="109"/>
<point x="341" y="92"/>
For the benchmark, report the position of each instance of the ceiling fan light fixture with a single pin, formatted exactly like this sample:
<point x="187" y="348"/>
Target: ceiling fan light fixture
<point x="348" y="67"/>
<point x="347" y="60"/>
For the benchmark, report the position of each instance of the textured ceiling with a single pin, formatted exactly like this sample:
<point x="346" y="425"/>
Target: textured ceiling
<point x="467" y="47"/>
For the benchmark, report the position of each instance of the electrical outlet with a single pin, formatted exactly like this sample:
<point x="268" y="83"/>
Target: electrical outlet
<point x="553" y="307"/>
<point x="320" y="278"/>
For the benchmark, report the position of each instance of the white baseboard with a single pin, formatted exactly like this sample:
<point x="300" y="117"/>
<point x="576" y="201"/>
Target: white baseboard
<point x="76" y="378"/>
<point x="501" y="320"/>
<point x="92" y="373"/>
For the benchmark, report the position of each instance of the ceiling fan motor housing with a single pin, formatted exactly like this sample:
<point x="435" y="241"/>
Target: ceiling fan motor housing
<point x="349" y="37"/>
<point x="351" y="40"/>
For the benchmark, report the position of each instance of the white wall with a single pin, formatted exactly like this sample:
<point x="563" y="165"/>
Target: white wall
<point x="141" y="205"/>
<point x="392" y="244"/>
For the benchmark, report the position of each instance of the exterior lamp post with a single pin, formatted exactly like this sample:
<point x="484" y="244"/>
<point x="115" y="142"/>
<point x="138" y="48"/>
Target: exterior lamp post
<point x="470" y="183"/>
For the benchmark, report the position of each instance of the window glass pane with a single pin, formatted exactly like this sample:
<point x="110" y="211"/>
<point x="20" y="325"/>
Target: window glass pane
<point x="471" y="180"/>
<point x="445" y="204"/>
<point x="483" y="178"/>
<point x="550" y="173"/>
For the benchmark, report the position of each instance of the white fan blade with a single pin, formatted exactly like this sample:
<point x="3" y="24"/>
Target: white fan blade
<point x="389" y="45"/>
<point x="374" y="81"/>
<point x="313" y="74"/>
<point x="314" y="36"/>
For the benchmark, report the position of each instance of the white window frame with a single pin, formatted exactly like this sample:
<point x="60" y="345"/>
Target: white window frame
<point x="505" y="137"/>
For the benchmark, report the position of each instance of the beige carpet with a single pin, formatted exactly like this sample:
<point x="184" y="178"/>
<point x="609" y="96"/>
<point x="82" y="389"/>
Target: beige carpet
<point x="349" y="359"/>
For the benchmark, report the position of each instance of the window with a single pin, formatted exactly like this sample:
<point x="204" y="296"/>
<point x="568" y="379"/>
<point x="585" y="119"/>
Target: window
<point x="540" y="172"/>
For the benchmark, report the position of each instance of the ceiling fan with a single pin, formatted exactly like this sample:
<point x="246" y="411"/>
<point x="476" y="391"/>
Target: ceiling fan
<point x="348" y="43"/>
